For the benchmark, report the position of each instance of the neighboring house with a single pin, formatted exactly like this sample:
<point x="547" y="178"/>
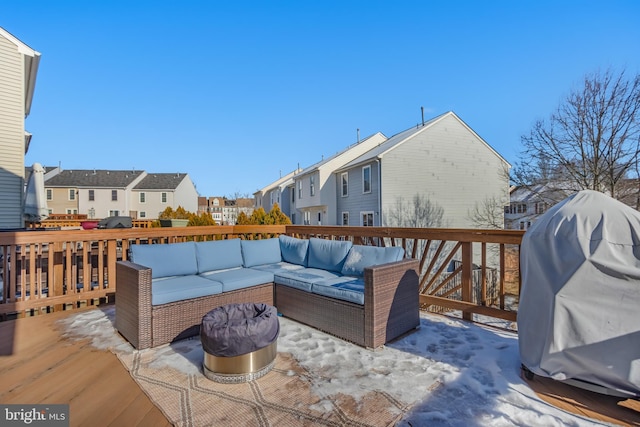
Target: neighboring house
<point x="442" y="160"/>
<point x="18" y="70"/>
<point x="212" y="205"/>
<point x="315" y="188"/>
<point x="232" y="209"/>
<point x="278" y="192"/>
<point x="525" y="206"/>
<point x="157" y="191"/>
<point x="103" y="193"/>
<point x="95" y="193"/>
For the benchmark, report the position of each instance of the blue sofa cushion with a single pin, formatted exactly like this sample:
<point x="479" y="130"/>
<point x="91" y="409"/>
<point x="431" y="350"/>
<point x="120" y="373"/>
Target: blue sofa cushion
<point x="277" y="267"/>
<point x="361" y="256"/>
<point x="344" y="288"/>
<point x="303" y="279"/>
<point x="170" y="289"/>
<point x="294" y="250"/>
<point x="172" y="259"/>
<point x="328" y="254"/>
<point x="239" y="278"/>
<point x="218" y="255"/>
<point x="260" y="252"/>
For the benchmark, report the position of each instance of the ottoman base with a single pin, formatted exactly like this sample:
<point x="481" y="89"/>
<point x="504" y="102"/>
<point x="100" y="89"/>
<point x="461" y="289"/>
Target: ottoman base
<point x="242" y="368"/>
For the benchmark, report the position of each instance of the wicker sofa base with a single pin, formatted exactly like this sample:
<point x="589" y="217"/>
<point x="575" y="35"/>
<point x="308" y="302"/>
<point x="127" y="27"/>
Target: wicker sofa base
<point x="145" y="325"/>
<point x="391" y="307"/>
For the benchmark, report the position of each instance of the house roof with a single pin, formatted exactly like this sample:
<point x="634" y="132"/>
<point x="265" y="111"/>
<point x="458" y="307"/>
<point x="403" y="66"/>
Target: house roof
<point x="399" y="138"/>
<point x="319" y="164"/>
<point x="93" y="178"/>
<point x="278" y="182"/>
<point x="31" y="63"/>
<point x="160" y="181"/>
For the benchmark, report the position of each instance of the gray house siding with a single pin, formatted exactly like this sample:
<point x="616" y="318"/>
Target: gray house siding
<point x="357" y="201"/>
<point x="448" y="164"/>
<point x="12" y="138"/>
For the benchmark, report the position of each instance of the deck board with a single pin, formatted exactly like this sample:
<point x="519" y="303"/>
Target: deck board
<point x="587" y="403"/>
<point x="39" y="366"/>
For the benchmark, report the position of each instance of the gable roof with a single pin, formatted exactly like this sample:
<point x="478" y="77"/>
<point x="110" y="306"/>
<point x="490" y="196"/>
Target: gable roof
<point x="400" y="138"/>
<point x="31" y="63"/>
<point x="160" y="181"/>
<point x="93" y="178"/>
<point x="279" y="182"/>
<point x="322" y="162"/>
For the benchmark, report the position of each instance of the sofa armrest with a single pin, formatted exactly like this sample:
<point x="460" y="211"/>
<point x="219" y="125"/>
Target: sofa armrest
<point x="133" y="303"/>
<point x="391" y="301"/>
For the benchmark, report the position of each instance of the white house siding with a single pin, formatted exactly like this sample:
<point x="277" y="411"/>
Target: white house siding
<point x="12" y="116"/>
<point x="450" y="165"/>
<point x="356" y="201"/>
<point x="186" y="195"/>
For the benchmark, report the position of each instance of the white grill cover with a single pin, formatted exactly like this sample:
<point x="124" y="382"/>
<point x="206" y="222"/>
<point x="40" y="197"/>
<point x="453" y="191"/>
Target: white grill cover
<point x="579" y="313"/>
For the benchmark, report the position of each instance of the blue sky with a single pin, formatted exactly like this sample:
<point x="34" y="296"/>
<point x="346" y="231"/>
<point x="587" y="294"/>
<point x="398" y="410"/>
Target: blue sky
<point x="237" y="93"/>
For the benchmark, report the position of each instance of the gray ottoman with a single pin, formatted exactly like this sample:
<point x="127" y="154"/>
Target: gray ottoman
<point x="239" y="342"/>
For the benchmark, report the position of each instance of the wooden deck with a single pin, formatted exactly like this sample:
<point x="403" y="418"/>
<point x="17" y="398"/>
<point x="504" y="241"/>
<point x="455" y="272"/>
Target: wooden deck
<point x="39" y="366"/>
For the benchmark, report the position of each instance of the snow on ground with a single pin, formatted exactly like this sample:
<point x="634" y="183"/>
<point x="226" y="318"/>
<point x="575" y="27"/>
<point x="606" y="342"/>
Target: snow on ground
<point x="451" y="372"/>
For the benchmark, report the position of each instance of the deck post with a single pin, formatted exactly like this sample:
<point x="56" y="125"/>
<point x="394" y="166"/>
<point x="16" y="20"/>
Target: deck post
<point x="467" y="276"/>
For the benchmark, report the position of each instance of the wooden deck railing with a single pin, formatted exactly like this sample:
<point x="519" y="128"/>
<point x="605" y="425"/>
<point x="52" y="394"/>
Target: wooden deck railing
<point x="475" y="271"/>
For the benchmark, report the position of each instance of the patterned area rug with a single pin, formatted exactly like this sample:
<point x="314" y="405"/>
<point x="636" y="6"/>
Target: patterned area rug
<point x="317" y="392"/>
<point x="284" y="397"/>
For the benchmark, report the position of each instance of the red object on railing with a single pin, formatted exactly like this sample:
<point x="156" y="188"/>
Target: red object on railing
<point x="89" y="225"/>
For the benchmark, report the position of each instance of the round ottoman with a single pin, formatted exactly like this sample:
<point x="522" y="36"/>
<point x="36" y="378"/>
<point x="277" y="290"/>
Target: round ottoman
<point x="239" y="342"/>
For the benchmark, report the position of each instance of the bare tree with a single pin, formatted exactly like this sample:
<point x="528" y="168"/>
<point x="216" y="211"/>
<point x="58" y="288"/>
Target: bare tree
<point x="488" y="214"/>
<point x="592" y="141"/>
<point x="417" y="212"/>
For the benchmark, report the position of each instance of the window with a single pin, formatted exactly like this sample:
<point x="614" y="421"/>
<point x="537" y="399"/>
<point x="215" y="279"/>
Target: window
<point x="293" y="196"/>
<point x="143" y="214"/>
<point x="114" y="196"/>
<point x="114" y="213"/>
<point x="319" y="218"/>
<point x="344" y="178"/>
<point x="143" y="197"/>
<point x="92" y="195"/>
<point x="163" y="197"/>
<point x="293" y="218"/>
<point x="299" y="189"/>
<point x="312" y="185"/>
<point x="49" y="194"/>
<point x="367" y="219"/>
<point x="366" y="179"/>
<point x="72" y="194"/>
<point x="307" y="218"/>
<point x="541" y="207"/>
<point x="345" y="218"/>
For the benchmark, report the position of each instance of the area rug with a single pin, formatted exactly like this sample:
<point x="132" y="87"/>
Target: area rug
<point x="446" y="373"/>
<point x="334" y="383"/>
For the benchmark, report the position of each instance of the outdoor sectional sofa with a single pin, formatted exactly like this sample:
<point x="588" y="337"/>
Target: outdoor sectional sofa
<point x="364" y="294"/>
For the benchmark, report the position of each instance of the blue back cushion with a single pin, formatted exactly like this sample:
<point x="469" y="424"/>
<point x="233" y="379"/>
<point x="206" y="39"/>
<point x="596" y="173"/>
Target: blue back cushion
<point x="172" y="259"/>
<point x="260" y="252"/>
<point x="218" y="255"/>
<point x="327" y="254"/>
<point x="361" y="256"/>
<point x="294" y="250"/>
